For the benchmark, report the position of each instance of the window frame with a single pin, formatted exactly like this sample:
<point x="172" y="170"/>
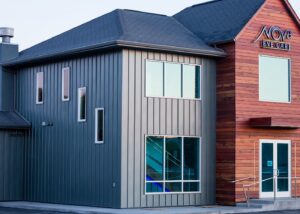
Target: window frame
<point x="290" y="78"/>
<point x="78" y="105"/>
<point x="97" y="125"/>
<point x="172" y="62"/>
<point x="63" y="84"/>
<point x="182" y="167"/>
<point x="37" y="89"/>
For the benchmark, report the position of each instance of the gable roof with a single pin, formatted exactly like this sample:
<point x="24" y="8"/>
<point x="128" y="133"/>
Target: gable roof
<point x="121" y="28"/>
<point x="13" y="120"/>
<point x="218" y="21"/>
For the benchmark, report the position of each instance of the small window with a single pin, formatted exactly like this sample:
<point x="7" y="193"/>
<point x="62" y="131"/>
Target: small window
<point x="82" y="104"/>
<point x="40" y="88"/>
<point x="191" y="82"/>
<point x="99" y="125"/>
<point x="155" y="79"/>
<point x="65" y="84"/>
<point x="172" y="80"/>
<point x="274" y="79"/>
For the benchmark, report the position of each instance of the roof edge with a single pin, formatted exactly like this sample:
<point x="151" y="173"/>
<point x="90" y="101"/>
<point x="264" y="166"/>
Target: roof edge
<point x="119" y="44"/>
<point x="292" y="11"/>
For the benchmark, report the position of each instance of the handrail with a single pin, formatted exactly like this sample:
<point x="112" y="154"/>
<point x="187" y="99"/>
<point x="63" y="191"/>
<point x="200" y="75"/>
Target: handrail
<point x="243" y="179"/>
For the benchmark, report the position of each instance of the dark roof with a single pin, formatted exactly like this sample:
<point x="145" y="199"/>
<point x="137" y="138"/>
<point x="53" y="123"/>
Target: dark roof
<point x="220" y="20"/>
<point x="121" y="28"/>
<point x="13" y="120"/>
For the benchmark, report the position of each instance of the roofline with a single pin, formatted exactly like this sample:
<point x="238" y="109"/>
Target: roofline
<point x="118" y="44"/>
<point x="292" y="11"/>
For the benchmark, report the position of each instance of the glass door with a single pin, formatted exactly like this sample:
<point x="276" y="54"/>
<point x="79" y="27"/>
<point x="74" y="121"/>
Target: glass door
<point x="275" y="161"/>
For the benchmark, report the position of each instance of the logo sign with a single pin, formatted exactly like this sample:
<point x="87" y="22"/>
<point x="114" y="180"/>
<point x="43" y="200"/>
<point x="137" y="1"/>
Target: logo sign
<point x="275" y="38"/>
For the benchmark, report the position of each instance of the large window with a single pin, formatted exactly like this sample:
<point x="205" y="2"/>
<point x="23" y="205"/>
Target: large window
<point x="172" y="164"/>
<point x="172" y="80"/>
<point x="39" y="88"/>
<point x="82" y="104"/>
<point x="65" y="92"/>
<point x="99" y="125"/>
<point x="274" y="79"/>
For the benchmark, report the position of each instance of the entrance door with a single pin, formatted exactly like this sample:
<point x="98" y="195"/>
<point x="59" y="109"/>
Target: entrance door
<point x="275" y="160"/>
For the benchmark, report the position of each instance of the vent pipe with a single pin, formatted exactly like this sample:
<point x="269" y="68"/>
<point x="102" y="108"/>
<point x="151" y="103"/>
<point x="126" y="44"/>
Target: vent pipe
<point x="6" y="34"/>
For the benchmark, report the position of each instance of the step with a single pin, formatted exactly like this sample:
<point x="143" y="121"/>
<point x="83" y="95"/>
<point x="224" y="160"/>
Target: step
<point x="251" y="205"/>
<point x="261" y="201"/>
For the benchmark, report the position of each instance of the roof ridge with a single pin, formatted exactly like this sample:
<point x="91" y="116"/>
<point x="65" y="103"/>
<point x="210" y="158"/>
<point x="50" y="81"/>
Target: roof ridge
<point x="150" y="13"/>
<point x="121" y="22"/>
<point x="207" y="2"/>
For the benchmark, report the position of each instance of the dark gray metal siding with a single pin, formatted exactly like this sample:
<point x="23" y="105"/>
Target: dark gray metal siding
<point x="159" y="116"/>
<point x="63" y="164"/>
<point x="11" y="165"/>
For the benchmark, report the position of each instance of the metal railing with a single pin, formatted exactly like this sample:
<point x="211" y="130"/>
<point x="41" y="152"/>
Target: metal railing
<point x="275" y="178"/>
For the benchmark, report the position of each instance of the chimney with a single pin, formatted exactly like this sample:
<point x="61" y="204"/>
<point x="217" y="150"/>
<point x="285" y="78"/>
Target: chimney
<point x="6" y="34"/>
<point x="8" y="51"/>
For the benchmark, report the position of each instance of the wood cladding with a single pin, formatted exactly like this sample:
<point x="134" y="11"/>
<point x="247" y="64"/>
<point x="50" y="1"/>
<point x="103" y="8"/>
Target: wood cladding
<point x="238" y="101"/>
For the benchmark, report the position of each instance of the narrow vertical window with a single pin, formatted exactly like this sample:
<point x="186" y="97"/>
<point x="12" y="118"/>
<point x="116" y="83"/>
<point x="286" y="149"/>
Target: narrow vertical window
<point x="65" y="84"/>
<point x="99" y="125"/>
<point x="82" y="104"/>
<point x="39" y="87"/>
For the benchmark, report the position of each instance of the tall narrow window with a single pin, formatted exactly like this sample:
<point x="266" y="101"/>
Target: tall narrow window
<point x="39" y="87"/>
<point x="65" y="84"/>
<point x="99" y="125"/>
<point x="82" y="104"/>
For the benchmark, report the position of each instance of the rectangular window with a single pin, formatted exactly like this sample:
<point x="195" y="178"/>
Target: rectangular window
<point x="82" y="104"/>
<point x="274" y="79"/>
<point x="65" y="84"/>
<point x="39" y="87"/>
<point x="172" y="164"/>
<point x="172" y="80"/>
<point x="99" y="125"/>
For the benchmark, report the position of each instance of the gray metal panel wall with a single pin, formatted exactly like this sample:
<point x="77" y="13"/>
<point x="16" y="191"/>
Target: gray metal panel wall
<point x="11" y="165"/>
<point x="159" y="116"/>
<point x="63" y="164"/>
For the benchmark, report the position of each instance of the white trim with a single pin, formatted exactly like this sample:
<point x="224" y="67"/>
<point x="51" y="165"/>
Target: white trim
<point x="290" y="80"/>
<point x="182" y="181"/>
<point x="164" y="97"/>
<point x="275" y="143"/>
<point x="37" y="86"/>
<point x="78" y="104"/>
<point x="97" y="125"/>
<point x="65" y="69"/>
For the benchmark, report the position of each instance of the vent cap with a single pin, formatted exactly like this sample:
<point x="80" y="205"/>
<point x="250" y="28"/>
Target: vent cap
<point x="6" y="34"/>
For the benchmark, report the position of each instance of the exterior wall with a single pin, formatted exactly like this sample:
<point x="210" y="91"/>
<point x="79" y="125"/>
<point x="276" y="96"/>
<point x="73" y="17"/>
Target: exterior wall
<point x="11" y="165"/>
<point x="143" y="116"/>
<point x="225" y="149"/>
<point x="247" y="104"/>
<point x="63" y="164"/>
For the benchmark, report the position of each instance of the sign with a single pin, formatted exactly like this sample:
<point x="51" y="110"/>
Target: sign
<point x="275" y="38"/>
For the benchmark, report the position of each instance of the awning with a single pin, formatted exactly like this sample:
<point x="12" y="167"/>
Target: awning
<point x="13" y="120"/>
<point x="275" y="122"/>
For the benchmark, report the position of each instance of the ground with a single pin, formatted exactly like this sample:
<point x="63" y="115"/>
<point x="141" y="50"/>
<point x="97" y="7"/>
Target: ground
<point x="278" y="212"/>
<point x="23" y="211"/>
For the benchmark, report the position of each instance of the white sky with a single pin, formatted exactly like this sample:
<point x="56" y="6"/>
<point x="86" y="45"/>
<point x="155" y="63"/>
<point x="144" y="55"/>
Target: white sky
<point x="37" y="20"/>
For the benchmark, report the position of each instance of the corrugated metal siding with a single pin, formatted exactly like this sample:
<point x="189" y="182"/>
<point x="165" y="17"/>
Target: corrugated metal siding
<point x="11" y="165"/>
<point x="160" y="116"/>
<point x="63" y="164"/>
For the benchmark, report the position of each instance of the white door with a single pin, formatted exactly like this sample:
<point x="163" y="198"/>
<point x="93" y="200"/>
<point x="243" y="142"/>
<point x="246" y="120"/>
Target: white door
<point x="275" y="160"/>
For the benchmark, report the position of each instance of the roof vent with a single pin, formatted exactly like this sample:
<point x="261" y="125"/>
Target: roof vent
<point x="6" y="34"/>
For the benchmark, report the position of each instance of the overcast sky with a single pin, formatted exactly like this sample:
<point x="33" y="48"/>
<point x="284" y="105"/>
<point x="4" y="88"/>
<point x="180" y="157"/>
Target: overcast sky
<point x="37" y="20"/>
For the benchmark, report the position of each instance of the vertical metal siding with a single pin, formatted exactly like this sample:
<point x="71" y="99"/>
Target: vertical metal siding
<point x="63" y="164"/>
<point x="11" y="165"/>
<point x="161" y="116"/>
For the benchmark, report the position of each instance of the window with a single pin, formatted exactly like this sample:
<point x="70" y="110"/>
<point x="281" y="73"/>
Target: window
<point x="172" y="164"/>
<point x="274" y="79"/>
<point x="172" y="80"/>
<point x="99" y="125"/>
<point x="82" y="104"/>
<point x="39" y="88"/>
<point x="65" y="92"/>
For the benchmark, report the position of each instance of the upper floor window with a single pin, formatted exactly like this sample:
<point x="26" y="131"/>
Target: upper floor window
<point x="99" y="125"/>
<point x="65" y="84"/>
<point x="39" y="88"/>
<point x="274" y="79"/>
<point x="82" y="104"/>
<point x="172" y="80"/>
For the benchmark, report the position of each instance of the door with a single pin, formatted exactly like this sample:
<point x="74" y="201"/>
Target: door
<point x="275" y="160"/>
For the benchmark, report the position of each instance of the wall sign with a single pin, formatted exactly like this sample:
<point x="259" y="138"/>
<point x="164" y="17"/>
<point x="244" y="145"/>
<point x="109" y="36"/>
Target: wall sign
<point x="275" y="38"/>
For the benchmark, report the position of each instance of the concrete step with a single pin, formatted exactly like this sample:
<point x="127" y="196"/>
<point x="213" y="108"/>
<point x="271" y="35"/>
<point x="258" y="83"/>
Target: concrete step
<point x="261" y="201"/>
<point x="251" y="205"/>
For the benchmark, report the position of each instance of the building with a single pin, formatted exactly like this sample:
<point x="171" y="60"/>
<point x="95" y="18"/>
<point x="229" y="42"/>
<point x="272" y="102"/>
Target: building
<point x="135" y="109"/>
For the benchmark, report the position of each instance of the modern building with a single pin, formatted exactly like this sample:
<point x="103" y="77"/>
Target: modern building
<point x="135" y="109"/>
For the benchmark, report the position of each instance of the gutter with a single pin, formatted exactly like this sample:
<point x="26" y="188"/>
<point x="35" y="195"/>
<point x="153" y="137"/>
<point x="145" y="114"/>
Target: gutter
<point x="118" y="44"/>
